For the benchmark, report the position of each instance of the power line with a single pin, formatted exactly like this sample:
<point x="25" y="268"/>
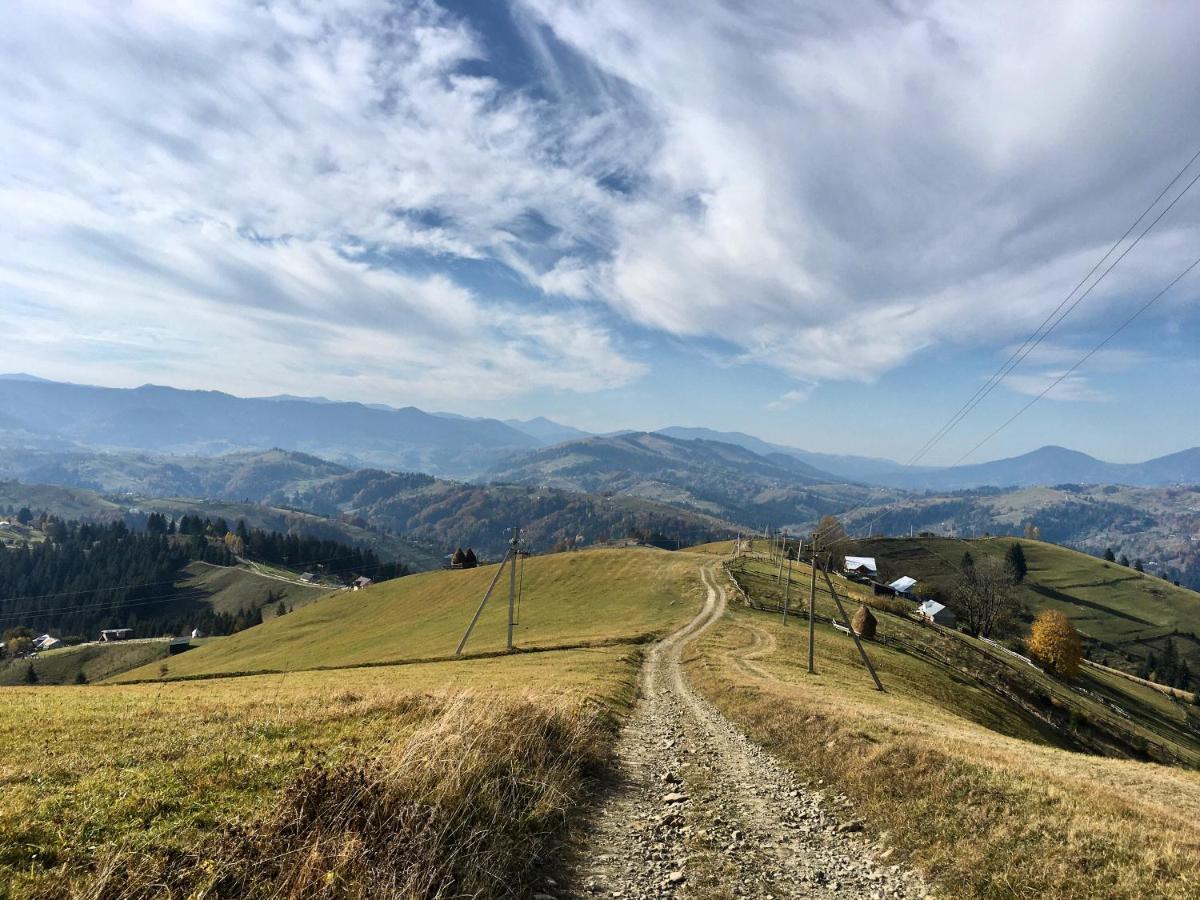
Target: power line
<point x="1050" y="322"/>
<point x="1083" y="359"/>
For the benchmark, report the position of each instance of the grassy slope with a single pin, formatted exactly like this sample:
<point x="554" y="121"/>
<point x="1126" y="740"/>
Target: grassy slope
<point x="974" y="789"/>
<point x="153" y="776"/>
<point x="568" y="598"/>
<point x="1115" y="605"/>
<point x="96" y="661"/>
<point x="230" y="589"/>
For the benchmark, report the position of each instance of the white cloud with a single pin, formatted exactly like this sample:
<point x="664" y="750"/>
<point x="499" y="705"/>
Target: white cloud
<point x="222" y="187"/>
<point x="329" y="194"/>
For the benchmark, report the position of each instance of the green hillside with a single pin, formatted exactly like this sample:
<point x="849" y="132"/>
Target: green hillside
<point x="230" y="589"/>
<point x="568" y="599"/>
<point x="1126" y="614"/>
<point x="95" y="661"/>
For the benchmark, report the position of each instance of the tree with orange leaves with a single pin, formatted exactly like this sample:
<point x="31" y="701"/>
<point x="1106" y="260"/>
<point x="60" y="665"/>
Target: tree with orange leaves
<point x="1054" y="641"/>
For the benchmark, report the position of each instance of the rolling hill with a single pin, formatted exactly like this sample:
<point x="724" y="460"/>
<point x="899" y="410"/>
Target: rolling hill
<point x="709" y="476"/>
<point x="1124" y="614"/>
<point x="589" y="597"/>
<point x="209" y="423"/>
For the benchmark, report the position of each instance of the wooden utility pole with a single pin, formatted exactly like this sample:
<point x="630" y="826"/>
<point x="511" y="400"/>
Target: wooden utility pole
<point x="849" y="627"/>
<point x="812" y="606"/>
<point x="512" y="582"/>
<point x="782" y="554"/>
<point x="787" y="589"/>
<point x="482" y="604"/>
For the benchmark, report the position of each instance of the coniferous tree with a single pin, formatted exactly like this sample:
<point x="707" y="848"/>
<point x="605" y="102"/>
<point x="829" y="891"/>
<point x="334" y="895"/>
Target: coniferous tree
<point x="1109" y="556"/>
<point x="1016" y="563"/>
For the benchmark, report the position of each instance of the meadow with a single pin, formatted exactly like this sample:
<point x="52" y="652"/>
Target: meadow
<point x="988" y="795"/>
<point x="421" y="779"/>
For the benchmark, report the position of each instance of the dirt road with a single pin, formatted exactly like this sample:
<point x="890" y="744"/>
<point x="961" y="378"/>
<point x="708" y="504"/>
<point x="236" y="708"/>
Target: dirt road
<point x="699" y="810"/>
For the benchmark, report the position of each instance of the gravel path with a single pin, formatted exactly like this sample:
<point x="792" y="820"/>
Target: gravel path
<point x="699" y="810"/>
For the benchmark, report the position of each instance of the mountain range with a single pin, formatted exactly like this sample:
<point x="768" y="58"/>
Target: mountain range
<point x="54" y="416"/>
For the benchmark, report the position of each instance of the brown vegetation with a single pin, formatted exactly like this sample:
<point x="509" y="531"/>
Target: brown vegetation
<point x="864" y="623"/>
<point x="469" y="805"/>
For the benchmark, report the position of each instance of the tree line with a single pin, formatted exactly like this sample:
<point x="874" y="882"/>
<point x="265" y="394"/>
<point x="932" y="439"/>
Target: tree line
<point x="87" y="576"/>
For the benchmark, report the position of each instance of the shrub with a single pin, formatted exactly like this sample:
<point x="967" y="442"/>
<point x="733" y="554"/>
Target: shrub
<point x="1055" y="643"/>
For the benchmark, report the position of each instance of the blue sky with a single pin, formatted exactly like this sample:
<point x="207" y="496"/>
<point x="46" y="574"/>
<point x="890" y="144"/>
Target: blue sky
<point x="825" y="224"/>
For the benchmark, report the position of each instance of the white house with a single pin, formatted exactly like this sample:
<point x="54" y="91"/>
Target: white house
<point x="936" y="613"/>
<point x="362" y="581"/>
<point x="861" y="565"/>
<point x="903" y="584"/>
<point x="46" y="642"/>
<point x="197" y="633"/>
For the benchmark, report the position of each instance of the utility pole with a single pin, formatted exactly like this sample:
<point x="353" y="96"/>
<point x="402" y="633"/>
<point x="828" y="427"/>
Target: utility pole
<point x="787" y="588"/>
<point x="812" y="604"/>
<point x="782" y="554"/>
<point x="850" y="627"/>
<point x="512" y="581"/>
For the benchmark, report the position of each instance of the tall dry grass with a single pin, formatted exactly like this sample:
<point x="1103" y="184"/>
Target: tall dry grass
<point x="471" y="805"/>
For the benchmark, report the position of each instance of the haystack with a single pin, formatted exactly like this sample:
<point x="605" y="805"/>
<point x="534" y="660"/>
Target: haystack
<point x="863" y="623"/>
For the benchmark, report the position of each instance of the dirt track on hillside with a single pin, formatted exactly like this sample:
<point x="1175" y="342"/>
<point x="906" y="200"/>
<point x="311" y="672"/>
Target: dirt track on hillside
<point x="698" y="810"/>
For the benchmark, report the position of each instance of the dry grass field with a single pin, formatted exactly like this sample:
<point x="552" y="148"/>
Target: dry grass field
<point x="976" y="792"/>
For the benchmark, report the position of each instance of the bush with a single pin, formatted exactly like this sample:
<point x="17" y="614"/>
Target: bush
<point x="1055" y="643"/>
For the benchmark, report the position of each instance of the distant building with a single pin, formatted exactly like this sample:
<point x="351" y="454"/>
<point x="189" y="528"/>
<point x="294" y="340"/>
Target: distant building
<point x="935" y="612"/>
<point x="902" y="586"/>
<point x="46" y="642"/>
<point x="361" y="582"/>
<point x="178" y="645"/>
<point x="197" y="633"/>
<point x="861" y="565"/>
<point x="308" y="577"/>
<point x="109" y="635"/>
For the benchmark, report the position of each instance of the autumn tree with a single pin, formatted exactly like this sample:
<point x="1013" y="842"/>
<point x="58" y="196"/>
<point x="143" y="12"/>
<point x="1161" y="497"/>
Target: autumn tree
<point x="1055" y="643"/>
<point x="1032" y="532"/>
<point x="830" y="532"/>
<point x="984" y="598"/>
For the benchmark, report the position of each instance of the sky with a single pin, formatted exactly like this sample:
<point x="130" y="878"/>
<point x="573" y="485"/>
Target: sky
<point x="826" y="224"/>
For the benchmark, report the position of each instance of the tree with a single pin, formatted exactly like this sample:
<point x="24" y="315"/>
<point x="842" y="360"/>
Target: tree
<point x="235" y="543"/>
<point x="984" y="597"/>
<point x="31" y="675"/>
<point x="1137" y="564"/>
<point x="1123" y="561"/>
<point x="1055" y="643"/>
<point x="1016" y="563"/>
<point x="280" y="610"/>
<point x="80" y="678"/>
<point x="1032" y="532"/>
<point x="830" y="532"/>
<point x="24" y="515"/>
<point x="1109" y="556"/>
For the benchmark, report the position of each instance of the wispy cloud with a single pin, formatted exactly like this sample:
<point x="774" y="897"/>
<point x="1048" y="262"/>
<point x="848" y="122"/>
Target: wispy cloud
<point x="387" y="200"/>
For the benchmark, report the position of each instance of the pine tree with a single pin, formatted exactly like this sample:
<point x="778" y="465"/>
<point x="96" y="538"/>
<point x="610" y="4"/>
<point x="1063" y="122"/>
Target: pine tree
<point x="81" y="678"/>
<point x="1124" y="560"/>
<point x="1017" y="563"/>
<point x="31" y="676"/>
<point x="1109" y="556"/>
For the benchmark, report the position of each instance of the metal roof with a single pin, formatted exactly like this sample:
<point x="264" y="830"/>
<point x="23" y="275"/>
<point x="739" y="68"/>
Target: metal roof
<point x="861" y="562"/>
<point x="902" y="584"/>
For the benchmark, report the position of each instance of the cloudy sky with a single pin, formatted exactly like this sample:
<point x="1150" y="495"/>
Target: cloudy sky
<point x="822" y="223"/>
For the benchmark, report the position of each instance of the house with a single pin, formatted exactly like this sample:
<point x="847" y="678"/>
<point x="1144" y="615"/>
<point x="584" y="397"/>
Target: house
<point x="178" y="645"/>
<point x="861" y="565"/>
<point x="308" y="577"/>
<point x="116" y="634"/>
<point x="935" y="612"/>
<point x="197" y="633"/>
<point x="361" y="582"/>
<point x="903" y="586"/>
<point x="45" y="642"/>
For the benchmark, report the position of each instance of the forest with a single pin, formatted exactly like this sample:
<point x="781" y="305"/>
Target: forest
<point x="83" y="576"/>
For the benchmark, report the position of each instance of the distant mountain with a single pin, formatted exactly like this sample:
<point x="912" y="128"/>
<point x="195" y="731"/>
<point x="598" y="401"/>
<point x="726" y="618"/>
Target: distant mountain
<point x="1053" y="465"/>
<point x="710" y="476"/>
<point x="546" y="430"/>
<point x="855" y="468"/>
<point x="167" y="420"/>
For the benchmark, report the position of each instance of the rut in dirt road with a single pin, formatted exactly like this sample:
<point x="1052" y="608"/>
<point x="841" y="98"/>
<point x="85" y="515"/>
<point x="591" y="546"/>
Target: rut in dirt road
<point x="700" y="810"/>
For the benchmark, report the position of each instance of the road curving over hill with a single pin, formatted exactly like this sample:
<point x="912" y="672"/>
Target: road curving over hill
<point x="697" y="809"/>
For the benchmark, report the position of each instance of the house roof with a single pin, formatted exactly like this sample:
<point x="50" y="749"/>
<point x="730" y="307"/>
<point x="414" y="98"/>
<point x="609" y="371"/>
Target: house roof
<point x="931" y="607"/>
<point x="861" y="562"/>
<point x="903" y="583"/>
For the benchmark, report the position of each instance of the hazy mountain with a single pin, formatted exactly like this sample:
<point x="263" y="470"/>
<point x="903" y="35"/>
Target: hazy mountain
<point x="163" y="419"/>
<point x="714" y="477"/>
<point x="855" y="468"/>
<point x="546" y="430"/>
<point x="1050" y="466"/>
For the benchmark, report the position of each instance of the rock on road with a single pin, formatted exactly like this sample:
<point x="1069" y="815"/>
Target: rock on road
<point x="700" y="810"/>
